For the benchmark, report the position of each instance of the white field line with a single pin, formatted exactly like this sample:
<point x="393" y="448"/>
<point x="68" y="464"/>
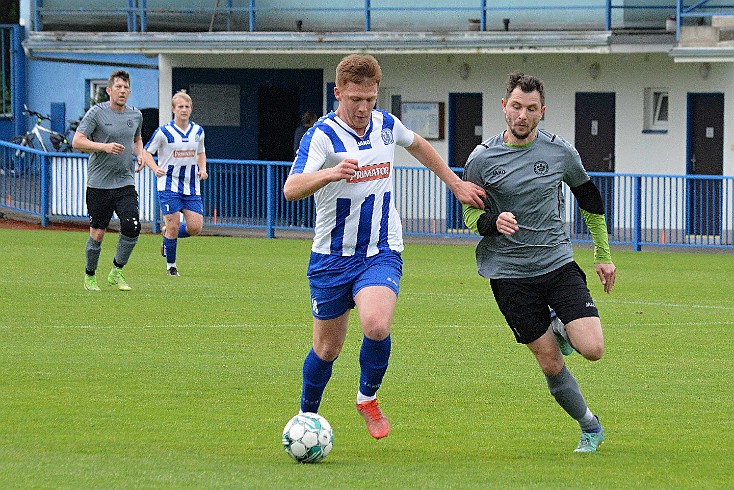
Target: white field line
<point x="397" y="326"/>
<point x="597" y="299"/>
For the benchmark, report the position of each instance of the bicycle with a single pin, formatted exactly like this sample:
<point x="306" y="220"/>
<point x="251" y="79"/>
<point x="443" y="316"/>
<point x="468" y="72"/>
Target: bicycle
<point x="22" y="161"/>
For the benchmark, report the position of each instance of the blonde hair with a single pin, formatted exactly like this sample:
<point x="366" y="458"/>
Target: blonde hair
<point x="181" y="94"/>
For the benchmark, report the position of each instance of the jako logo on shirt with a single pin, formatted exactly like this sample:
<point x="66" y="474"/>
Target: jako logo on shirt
<point x="371" y="172"/>
<point x="184" y="153"/>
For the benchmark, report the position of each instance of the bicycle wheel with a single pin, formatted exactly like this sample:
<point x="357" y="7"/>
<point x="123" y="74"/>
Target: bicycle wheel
<point x="22" y="161"/>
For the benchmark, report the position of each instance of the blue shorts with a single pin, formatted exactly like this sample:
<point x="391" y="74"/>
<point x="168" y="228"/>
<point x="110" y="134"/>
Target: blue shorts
<point x="336" y="280"/>
<point x="173" y="202"/>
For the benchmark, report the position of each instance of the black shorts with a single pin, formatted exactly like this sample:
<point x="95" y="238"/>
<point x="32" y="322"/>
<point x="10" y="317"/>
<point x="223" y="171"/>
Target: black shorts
<point x="101" y="203"/>
<point x="525" y="302"/>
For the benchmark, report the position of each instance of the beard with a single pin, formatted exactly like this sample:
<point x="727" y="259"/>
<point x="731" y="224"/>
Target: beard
<point x="521" y="135"/>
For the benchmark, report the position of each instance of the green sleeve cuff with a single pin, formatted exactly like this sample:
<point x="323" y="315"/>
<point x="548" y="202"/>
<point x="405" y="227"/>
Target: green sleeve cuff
<point x="471" y="217"/>
<point x="597" y="224"/>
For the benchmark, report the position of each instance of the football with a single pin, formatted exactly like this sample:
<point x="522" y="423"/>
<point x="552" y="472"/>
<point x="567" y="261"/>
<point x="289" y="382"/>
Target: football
<point x="308" y="438"/>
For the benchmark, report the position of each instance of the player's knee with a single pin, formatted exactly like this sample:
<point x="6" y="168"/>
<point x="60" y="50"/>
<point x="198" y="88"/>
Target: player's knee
<point x="376" y="331"/>
<point x="193" y="229"/>
<point x="327" y="351"/>
<point x="130" y="227"/>
<point x="594" y="352"/>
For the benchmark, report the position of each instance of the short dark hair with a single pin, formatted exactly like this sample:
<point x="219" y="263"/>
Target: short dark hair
<point x="527" y="83"/>
<point x="122" y="74"/>
<point x="359" y="69"/>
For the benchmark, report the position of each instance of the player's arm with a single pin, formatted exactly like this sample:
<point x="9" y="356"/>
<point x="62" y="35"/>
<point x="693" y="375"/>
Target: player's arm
<point x="301" y="185"/>
<point x="138" y="152"/>
<point x="592" y="209"/>
<point x="466" y="192"/>
<point x="148" y="161"/>
<point x="484" y="223"/>
<point x="201" y="163"/>
<point x="82" y="143"/>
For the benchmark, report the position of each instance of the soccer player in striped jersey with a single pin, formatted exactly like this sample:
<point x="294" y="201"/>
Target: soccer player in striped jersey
<point x="526" y="252"/>
<point x="181" y="168"/>
<point x="346" y="162"/>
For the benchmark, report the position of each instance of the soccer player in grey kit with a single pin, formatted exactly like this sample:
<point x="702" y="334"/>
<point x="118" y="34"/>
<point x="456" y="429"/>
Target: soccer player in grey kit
<point x="111" y="132"/>
<point x="525" y="250"/>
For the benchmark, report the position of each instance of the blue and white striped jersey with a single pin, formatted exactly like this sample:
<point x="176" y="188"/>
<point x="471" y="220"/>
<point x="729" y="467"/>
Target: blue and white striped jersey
<point x="355" y="216"/>
<point x="177" y="152"/>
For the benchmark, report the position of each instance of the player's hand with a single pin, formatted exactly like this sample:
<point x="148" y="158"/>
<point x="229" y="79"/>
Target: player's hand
<point x="346" y="169"/>
<point x="141" y="165"/>
<point x="607" y="274"/>
<point x="470" y="194"/>
<point x="203" y="175"/>
<point x="114" y="148"/>
<point x="507" y="223"/>
<point x="160" y="172"/>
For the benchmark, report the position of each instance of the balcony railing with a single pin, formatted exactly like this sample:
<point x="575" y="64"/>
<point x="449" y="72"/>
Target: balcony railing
<point x="343" y="15"/>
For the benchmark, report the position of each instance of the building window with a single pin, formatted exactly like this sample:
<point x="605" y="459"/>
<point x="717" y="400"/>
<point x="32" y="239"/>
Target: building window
<point x="656" y="110"/>
<point x="97" y="92"/>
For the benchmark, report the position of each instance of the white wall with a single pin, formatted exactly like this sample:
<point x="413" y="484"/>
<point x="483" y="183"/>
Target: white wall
<point x="432" y="77"/>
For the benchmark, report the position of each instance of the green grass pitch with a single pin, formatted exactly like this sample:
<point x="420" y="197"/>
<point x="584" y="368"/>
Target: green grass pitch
<point x="187" y="382"/>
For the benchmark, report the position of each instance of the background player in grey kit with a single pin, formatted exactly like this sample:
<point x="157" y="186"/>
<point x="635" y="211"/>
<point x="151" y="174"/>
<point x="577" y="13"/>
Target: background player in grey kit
<point x="110" y="131"/>
<point x="526" y="252"/>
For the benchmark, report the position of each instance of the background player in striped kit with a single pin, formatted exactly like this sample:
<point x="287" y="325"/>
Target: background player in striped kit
<point x="181" y="166"/>
<point x="346" y="161"/>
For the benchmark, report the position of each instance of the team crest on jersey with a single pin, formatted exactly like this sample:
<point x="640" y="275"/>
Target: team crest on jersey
<point x="130" y="123"/>
<point x="540" y="167"/>
<point x="387" y="136"/>
<point x="371" y="172"/>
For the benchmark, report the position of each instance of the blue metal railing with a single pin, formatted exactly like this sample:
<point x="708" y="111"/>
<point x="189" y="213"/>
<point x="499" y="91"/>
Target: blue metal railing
<point x="699" y="9"/>
<point x="642" y="209"/>
<point x="137" y="14"/>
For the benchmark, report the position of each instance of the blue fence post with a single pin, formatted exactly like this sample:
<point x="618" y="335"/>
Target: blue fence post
<point x="132" y="23"/>
<point x="18" y="79"/>
<point x="637" y="234"/>
<point x="252" y="15"/>
<point x="37" y="21"/>
<point x="269" y="212"/>
<point x="58" y="116"/>
<point x="483" y="17"/>
<point x="143" y="15"/>
<point x="229" y="15"/>
<point x="45" y="189"/>
<point x="156" y="207"/>
<point x="367" y="16"/>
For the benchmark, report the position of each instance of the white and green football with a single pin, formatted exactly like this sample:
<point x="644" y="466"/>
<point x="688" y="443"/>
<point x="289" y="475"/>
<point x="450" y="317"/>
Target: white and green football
<point x="308" y="438"/>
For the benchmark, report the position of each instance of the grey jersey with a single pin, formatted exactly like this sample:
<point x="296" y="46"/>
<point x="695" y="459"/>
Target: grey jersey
<point x="104" y="125"/>
<point x="527" y="182"/>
